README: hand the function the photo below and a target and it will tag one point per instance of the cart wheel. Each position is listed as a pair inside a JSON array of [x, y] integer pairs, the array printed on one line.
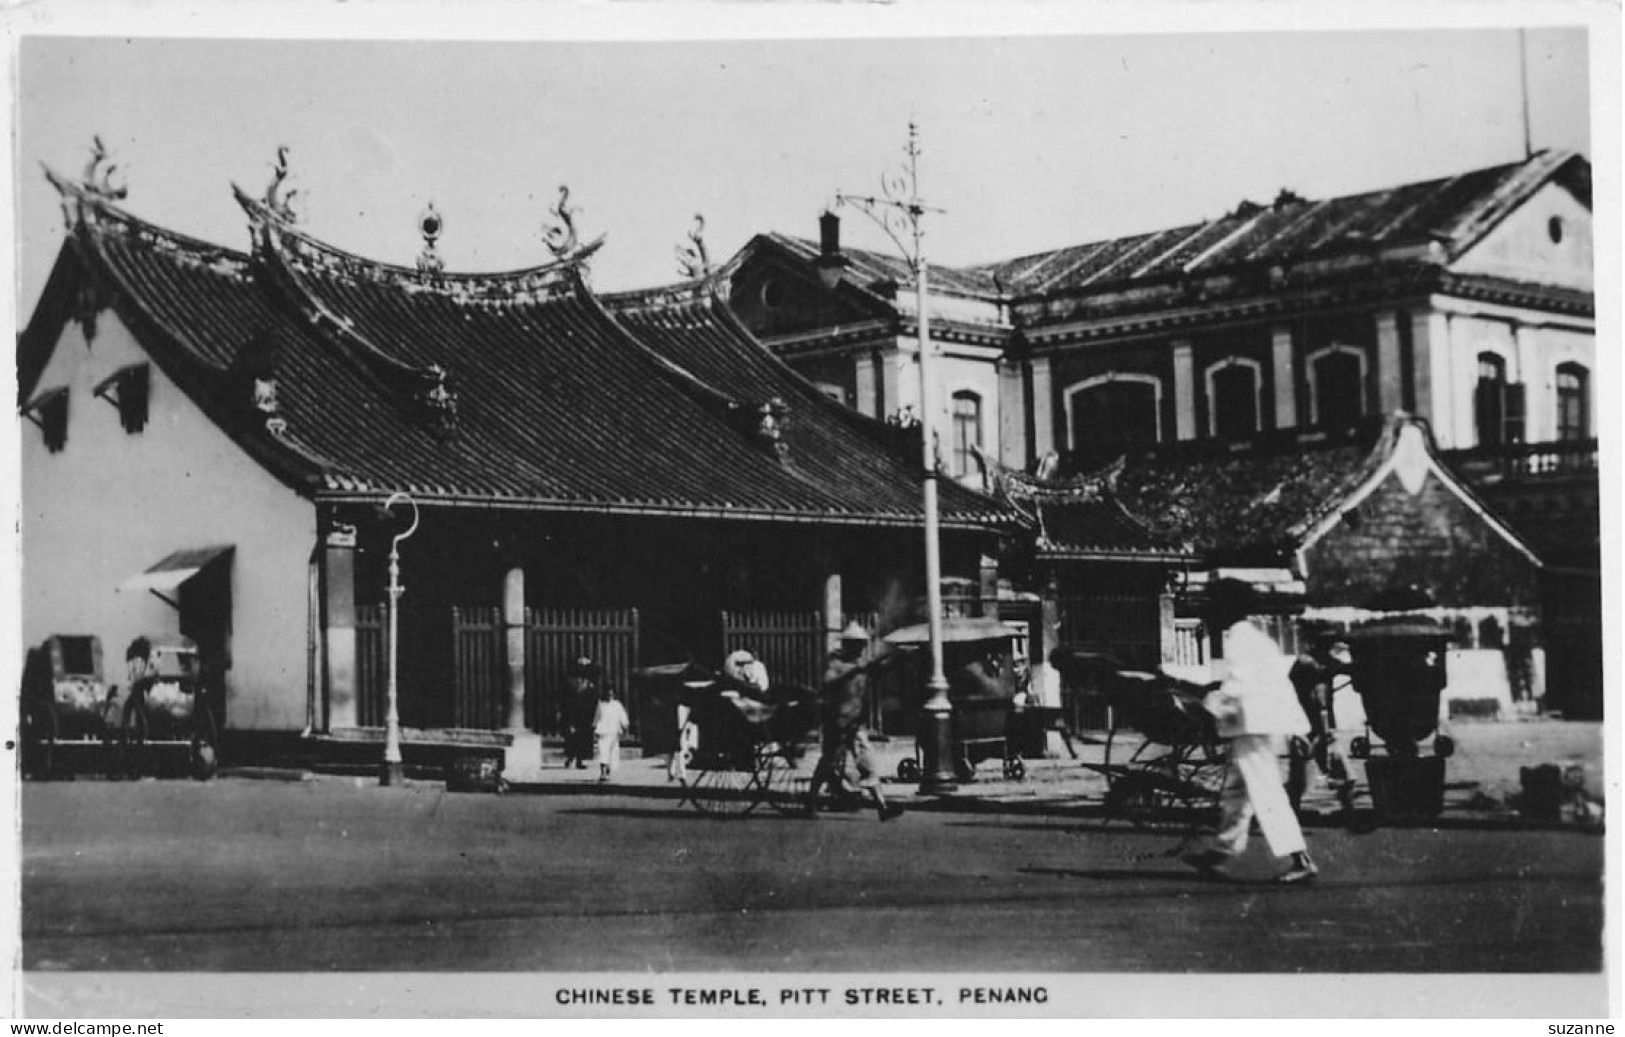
[[1015, 768], [205, 744], [1360, 747], [908, 769], [39, 736], [785, 780], [133, 739], [1444, 746], [725, 788]]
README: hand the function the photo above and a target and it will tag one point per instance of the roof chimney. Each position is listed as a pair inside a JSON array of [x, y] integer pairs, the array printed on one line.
[[830, 262]]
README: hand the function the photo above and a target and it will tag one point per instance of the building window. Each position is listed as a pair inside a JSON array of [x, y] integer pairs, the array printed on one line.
[[1554, 229], [1337, 387], [1497, 405], [127, 389], [49, 411], [967, 432], [772, 293], [1573, 417], [1113, 416], [1233, 389]]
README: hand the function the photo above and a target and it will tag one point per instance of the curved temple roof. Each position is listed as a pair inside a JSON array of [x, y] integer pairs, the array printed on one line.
[[516, 390]]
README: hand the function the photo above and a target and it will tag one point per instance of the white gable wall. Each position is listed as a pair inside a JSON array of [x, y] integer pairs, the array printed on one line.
[[1521, 246], [110, 504]]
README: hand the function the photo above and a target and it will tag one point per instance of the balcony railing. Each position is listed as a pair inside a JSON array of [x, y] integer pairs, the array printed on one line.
[[1520, 461]]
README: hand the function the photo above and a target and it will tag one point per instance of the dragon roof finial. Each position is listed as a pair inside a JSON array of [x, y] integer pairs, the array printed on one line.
[[98, 179], [693, 260], [561, 237], [278, 204]]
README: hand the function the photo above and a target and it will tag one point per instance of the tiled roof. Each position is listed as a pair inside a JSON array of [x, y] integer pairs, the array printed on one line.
[[1080, 518], [510, 390], [1254, 507], [1454, 211], [876, 267]]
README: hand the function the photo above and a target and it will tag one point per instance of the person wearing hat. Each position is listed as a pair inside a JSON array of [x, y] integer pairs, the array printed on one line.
[[1255, 708], [843, 712], [580, 704]]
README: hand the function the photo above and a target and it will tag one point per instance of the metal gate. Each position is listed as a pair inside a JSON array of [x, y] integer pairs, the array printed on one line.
[[556, 637], [479, 668], [371, 664]]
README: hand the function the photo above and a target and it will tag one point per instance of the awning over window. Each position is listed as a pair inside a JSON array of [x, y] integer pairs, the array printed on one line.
[[162, 579]]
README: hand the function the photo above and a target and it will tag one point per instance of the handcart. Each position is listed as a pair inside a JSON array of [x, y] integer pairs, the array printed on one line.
[[979, 664], [1164, 762], [168, 707], [65, 703], [1398, 669], [744, 751]]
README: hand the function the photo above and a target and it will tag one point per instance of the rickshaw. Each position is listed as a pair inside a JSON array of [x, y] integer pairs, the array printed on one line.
[[979, 663], [167, 706], [65, 702], [1398, 669], [744, 751], [1164, 761]]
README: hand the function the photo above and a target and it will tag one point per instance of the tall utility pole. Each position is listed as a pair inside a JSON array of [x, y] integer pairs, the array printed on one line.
[[899, 212], [1523, 88]]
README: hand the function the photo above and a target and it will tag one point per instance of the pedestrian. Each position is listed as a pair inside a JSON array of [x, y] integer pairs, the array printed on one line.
[[576, 710], [843, 715], [609, 723], [747, 674], [1255, 707]]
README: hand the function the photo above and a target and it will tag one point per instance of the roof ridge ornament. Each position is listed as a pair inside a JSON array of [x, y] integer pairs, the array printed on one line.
[[561, 237], [98, 178], [430, 224], [693, 260], [279, 205]]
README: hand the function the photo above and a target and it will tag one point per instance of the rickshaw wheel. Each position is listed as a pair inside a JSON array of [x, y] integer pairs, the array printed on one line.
[[205, 740], [1015, 768], [1444, 746], [721, 790], [133, 740], [908, 769], [784, 784], [1360, 747], [39, 740]]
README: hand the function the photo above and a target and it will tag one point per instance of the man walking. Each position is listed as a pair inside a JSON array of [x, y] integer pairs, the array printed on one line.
[[844, 710], [1255, 707]]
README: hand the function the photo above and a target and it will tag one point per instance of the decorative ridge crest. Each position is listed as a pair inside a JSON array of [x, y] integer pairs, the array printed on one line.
[[693, 260], [98, 176], [277, 204]]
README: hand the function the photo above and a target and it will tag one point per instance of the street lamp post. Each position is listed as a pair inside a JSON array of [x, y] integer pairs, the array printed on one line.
[[897, 210], [393, 772]]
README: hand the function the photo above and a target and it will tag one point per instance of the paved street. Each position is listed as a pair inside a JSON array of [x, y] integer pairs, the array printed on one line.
[[337, 874]]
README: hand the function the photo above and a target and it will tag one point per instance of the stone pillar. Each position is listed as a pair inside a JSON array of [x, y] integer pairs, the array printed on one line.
[[338, 609], [1430, 351], [1165, 620], [1184, 390], [1012, 416], [1285, 377], [834, 613], [1539, 389], [513, 622], [1390, 367], [1043, 404], [866, 376], [1046, 681], [987, 586]]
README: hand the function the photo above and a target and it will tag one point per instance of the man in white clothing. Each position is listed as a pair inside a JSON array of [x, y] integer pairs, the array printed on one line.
[[1256, 709]]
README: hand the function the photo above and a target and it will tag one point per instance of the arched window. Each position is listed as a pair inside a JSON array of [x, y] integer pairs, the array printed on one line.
[[1573, 407], [967, 431], [1337, 387], [1233, 388], [1112, 415], [1490, 400]]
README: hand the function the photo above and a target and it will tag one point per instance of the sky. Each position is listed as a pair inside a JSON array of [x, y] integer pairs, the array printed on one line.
[[1030, 142]]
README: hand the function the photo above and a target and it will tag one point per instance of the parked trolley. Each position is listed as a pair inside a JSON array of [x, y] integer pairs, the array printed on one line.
[[65, 704], [167, 708], [988, 712], [1398, 668]]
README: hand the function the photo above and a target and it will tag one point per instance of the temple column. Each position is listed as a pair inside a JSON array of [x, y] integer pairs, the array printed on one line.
[[1012, 452], [513, 622], [834, 614], [338, 612], [1184, 390], [1285, 377], [1390, 368]]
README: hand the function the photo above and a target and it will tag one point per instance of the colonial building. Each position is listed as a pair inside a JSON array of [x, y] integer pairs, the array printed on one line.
[[229, 445], [1273, 329]]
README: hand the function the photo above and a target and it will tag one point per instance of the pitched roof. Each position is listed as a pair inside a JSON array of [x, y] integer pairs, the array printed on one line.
[[1080, 518], [509, 390], [1455, 212]]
